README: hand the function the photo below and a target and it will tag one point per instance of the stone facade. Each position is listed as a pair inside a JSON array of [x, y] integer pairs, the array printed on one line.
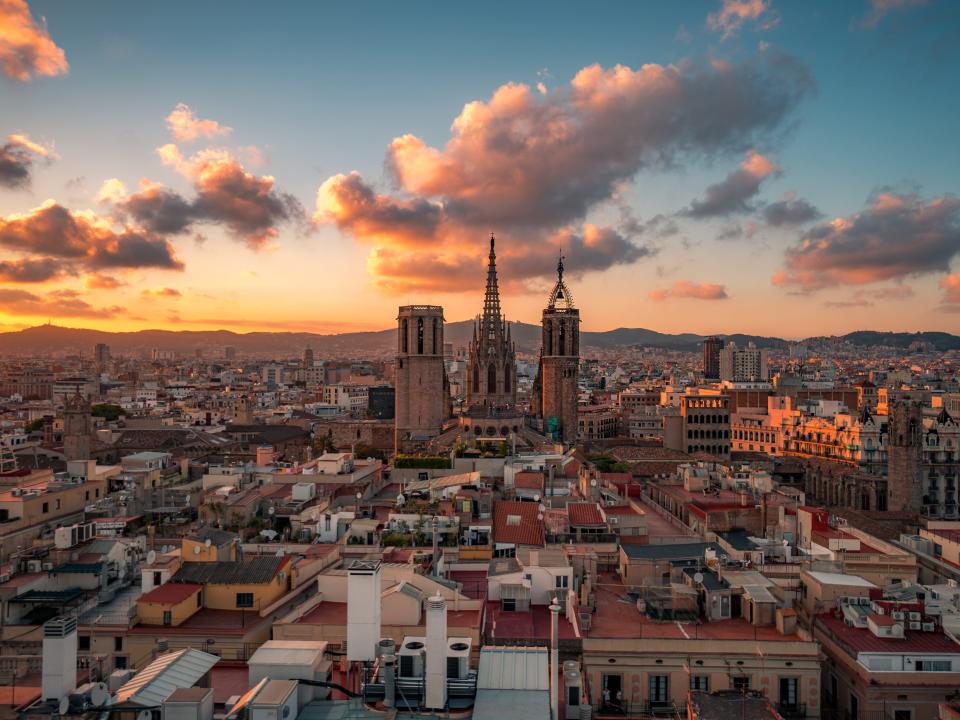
[[423, 392], [905, 455], [77, 427], [557, 383]]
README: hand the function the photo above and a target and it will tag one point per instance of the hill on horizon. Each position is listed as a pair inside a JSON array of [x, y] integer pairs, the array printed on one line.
[[44, 339]]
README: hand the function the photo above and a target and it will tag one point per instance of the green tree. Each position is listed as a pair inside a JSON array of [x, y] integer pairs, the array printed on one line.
[[107, 411]]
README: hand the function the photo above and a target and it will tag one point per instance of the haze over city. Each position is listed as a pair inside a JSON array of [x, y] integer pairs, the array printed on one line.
[[750, 167]]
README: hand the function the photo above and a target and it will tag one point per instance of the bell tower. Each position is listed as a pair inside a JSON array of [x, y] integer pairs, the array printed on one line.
[[423, 391], [77, 427], [559, 372]]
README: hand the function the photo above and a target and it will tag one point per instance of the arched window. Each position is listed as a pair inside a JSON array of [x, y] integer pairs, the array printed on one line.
[[549, 338], [476, 378], [506, 379], [436, 326], [419, 336], [404, 336], [563, 339], [492, 379]]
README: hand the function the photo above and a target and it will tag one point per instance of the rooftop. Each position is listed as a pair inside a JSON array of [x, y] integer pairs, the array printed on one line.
[[170, 593], [256, 570], [861, 640], [517, 523]]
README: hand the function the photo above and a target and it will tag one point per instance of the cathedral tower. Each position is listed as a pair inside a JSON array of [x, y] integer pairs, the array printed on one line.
[[423, 392], [557, 379], [905, 456], [491, 359]]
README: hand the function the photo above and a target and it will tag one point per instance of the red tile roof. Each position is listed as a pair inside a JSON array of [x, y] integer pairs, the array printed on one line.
[[528, 480], [584, 513], [170, 593], [863, 640], [517, 522]]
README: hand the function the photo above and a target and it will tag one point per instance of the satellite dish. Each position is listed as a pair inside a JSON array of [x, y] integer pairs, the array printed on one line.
[[207, 542], [536, 497], [280, 552], [145, 715], [401, 499], [151, 557], [698, 578], [196, 550], [271, 510], [64, 705], [187, 499], [99, 695]]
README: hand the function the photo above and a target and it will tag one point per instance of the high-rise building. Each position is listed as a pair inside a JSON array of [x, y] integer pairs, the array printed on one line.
[[229, 352], [556, 384], [423, 393], [308, 357], [749, 364], [711, 358], [491, 358], [101, 353]]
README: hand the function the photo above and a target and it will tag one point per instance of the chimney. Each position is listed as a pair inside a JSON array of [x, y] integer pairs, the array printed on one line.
[[363, 609], [436, 670], [264, 455], [59, 658], [554, 660], [389, 680]]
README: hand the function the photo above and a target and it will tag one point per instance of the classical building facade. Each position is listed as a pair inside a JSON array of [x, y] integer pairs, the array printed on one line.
[[423, 393], [556, 385], [491, 358]]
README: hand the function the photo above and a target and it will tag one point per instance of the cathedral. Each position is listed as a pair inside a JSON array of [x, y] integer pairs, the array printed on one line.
[[491, 411]]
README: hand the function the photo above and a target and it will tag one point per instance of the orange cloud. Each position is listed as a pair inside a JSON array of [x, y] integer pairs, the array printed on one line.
[[26, 49], [532, 166], [898, 236], [684, 289], [56, 303], [98, 281], [163, 292], [734, 14], [17, 157], [951, 288], [185, 126], [734, 193]]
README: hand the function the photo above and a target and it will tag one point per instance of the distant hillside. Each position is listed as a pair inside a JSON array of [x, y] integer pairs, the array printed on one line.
[[46, 339]]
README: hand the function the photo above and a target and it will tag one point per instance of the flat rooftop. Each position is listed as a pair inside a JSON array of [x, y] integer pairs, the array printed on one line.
[[862, 640]]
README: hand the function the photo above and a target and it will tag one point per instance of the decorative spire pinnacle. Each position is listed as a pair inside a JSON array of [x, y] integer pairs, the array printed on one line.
[[560, 291], [491, 300]]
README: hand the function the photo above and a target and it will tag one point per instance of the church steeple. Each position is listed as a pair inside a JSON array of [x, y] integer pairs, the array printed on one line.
[[560, 293], [491, 299]]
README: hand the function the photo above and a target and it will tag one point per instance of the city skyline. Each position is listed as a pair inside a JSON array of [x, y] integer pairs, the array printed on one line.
[[701, 169]]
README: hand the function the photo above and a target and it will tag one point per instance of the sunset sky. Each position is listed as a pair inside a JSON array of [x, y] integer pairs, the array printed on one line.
[[756, 166]]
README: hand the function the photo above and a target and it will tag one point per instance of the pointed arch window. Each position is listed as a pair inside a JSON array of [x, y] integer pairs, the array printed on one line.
[[506, 379], [436, 326], [404, 336], [419, 336], [476, 378], [492, 379], [563, 339]]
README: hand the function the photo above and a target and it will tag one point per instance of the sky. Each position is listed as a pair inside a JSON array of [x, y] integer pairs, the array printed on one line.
[[756, 166]]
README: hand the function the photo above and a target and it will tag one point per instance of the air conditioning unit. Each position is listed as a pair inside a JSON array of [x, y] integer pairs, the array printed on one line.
[[410, 657], [458, 658], [914, 625], [929, 627], [33, 566], [48, 566], [915, 616], [897, 615]]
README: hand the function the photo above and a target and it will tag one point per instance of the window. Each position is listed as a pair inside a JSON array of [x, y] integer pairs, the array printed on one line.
[[118, 643], [403, 336], [562, 582], [420, 336], [788, 692], [157, 578], [508, 604], [659, 692], [700, 682], [46, 507], [933, 666], [741, 683], [854, 707], [492, 379], [120, 662], [244, 600], [903, 715], [326, 523], [83, 642], [199, 599], [58, 503]]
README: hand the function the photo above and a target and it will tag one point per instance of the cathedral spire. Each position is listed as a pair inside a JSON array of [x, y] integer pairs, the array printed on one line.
[[561, 293], [491, 300]]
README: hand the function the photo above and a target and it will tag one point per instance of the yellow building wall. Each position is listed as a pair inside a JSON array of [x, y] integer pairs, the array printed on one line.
[[152, 613], [224, 597]]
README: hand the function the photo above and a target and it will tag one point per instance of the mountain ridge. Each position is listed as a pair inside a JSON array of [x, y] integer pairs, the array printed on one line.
[[53, 338]]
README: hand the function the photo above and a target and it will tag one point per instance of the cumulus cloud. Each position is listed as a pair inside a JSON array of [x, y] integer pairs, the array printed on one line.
[[30, 270], [791, 210], [26, 49], [687, 289], [735, 14], [17, 158], [185, 126], [248, 205], [879, 9], [734, 193], [54, 240], [951, 289], [57, 303], [897, 236], [533, 165], [99, 281]]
